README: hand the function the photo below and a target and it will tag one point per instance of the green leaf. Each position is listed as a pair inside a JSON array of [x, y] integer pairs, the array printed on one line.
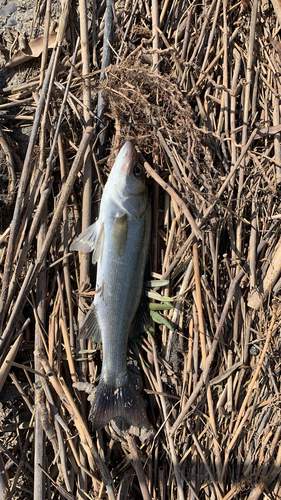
[[137, 340], [149, 330], [157, 296], [160, 307], [153, 283], [161, 320]]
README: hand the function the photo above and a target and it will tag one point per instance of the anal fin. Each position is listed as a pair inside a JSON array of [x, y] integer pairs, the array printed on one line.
[[90, 328], [140, 323]]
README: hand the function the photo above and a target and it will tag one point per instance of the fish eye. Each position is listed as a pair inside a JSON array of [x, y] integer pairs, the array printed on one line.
[[138, 170]]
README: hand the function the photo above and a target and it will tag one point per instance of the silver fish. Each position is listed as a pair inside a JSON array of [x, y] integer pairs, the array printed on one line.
[[119, 240]]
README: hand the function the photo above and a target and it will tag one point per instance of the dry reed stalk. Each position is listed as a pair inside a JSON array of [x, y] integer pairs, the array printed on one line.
[[87, 170], [258, 296], [39, 445], [86, 208], [155, 33], [106, 59], [226, 60], [21, 191], [177, 308], [10, 162], [167, 426], [204, 358], [84, 258], [34, 269], [174, 195], [138, 468], [4, 485], [25, 171], [45, 40], [5, 368]]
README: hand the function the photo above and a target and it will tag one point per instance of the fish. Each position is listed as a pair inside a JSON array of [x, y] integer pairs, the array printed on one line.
[[120, 241]]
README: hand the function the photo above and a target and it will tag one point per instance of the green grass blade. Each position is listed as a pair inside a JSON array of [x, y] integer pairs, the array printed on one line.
[[161, 320]]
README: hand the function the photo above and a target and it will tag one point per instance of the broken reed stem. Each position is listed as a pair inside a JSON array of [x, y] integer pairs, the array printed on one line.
[[211, 355], [84, 258], [41, 294], [138, 467], [87, 170], [251, 385], [186, 34], [5, 368], [211, 207], [21, 190], [45, 48], [35, 268], [167, 425], [4, 141], [106, 60], [177, 308], [155, 34], [173, 195], [202, 335], [253, 246]]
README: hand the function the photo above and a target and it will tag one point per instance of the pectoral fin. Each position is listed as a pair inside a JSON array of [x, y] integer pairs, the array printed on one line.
[[90, 240], [119, 234]]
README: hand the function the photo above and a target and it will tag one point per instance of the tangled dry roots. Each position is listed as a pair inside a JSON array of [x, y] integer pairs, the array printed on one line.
[[148, 102], [149, 109]]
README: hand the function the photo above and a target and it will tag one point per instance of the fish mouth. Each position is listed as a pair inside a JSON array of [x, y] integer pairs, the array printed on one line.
[[128, 155]]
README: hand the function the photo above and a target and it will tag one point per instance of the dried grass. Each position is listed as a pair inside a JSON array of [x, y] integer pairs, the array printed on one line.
[[201, 101]]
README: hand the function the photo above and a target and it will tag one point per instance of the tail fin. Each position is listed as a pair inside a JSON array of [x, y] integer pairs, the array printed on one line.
[[118, 400]]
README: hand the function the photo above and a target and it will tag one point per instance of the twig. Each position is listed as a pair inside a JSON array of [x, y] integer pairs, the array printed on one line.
[[34, 269], [209, 210], [138, 467], [106, 59], [167, 425], [84, 258], [45, 46], [39, 444], [174, 195], [250, 388], [21, 190]]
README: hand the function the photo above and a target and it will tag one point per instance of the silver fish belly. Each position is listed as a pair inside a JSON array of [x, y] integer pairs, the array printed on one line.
[[120, 244]]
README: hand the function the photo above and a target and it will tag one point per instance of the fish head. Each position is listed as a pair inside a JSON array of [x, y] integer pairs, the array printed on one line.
[[127, 182]]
